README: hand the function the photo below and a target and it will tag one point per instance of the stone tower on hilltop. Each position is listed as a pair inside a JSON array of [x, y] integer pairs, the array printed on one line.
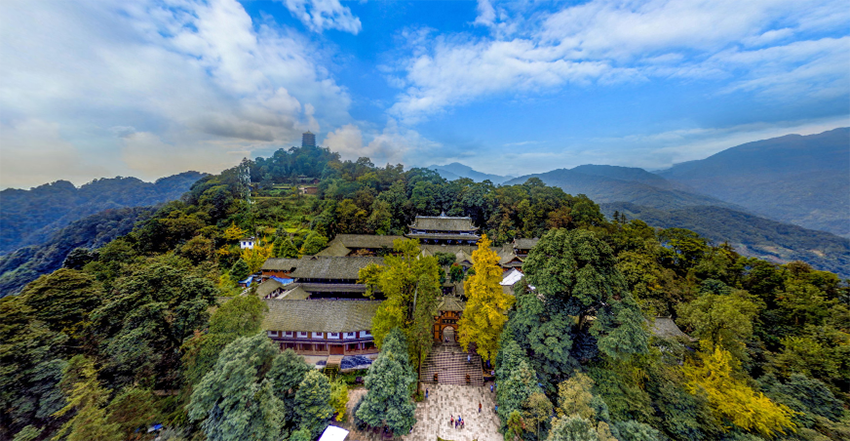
[[308, 139]]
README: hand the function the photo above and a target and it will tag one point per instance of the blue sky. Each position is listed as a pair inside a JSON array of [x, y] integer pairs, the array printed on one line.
[[151, 88]]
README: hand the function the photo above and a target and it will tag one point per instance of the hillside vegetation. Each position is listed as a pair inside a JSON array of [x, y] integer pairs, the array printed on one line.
[[152, 329], [30, 217]]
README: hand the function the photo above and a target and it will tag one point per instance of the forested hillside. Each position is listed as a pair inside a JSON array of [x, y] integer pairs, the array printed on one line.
[[152, 329], [29, 217], [803, 180], [26, 264], [751, 235]]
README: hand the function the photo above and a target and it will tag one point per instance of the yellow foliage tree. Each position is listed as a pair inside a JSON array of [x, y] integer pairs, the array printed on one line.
[[233, 232], [257, 256], [732, 398], [486, 311]]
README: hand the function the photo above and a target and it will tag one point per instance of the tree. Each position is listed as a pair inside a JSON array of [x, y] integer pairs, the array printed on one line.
[[572, 428], [575, 398], [133, 408], [720, 316], [86, 397], [283, 247], [148, 318], [255, 257], [339, 398], [240, 271], [314, 243], [716, 378], [312, 402], [238, 317], [234, 401], [486, 311], [387, 402], [411, 284], [584, 300], [233, 233]]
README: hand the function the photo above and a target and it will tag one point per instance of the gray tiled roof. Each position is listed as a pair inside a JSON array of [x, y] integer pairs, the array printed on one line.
[[443, 223], [450, 303], [443, 236], [268, 287], [366, 240], [334, 249], [320, 315], [332, 267], [665, 327], [525, 244], [276, 264]]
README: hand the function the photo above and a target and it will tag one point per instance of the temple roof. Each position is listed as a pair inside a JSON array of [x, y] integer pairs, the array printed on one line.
[[366, 240], [332, 267], [525, 244], [443, 223], [444, 236], [320, 315], [280, 264], [450, 303], [665, 327], [335, 249]]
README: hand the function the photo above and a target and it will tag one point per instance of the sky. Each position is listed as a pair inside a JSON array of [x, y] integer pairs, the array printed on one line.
[[142, 88]]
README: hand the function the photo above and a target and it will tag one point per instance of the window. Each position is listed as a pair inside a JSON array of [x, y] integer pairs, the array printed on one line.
[[365, 334], [302, 335], [321, 347], [287, 334], [333, 335], [318, 335], [272, 333], [349, 334]]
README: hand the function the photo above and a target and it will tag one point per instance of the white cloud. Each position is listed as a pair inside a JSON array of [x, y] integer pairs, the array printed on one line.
[[394, 144], [319, 15], [187, 73], [750, 45]]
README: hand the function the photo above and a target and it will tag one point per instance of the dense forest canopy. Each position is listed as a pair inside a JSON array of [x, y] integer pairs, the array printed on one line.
[[153, 320]]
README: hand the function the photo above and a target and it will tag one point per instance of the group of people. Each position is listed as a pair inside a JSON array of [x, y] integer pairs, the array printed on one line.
[[457, 423]]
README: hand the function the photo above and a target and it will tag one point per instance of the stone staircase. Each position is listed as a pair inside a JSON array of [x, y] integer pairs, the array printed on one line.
[[448, 361]]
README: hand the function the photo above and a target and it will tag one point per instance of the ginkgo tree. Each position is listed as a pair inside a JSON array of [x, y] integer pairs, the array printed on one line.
[[716, 376], [486, 311]]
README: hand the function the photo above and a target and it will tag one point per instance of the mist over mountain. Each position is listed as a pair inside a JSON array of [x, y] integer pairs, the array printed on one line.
[[29, 217], [605, 183], [804, 180], [457, 170]]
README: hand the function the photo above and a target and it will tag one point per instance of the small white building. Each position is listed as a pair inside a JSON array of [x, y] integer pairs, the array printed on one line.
[[247, 242]]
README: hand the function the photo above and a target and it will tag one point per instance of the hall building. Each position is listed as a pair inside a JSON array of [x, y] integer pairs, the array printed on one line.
[[444, 230]]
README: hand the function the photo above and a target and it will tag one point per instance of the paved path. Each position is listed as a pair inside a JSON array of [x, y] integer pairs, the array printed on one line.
[[445, 401]]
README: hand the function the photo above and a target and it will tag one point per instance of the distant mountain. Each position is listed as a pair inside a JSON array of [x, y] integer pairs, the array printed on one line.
[[29, 217], [28, 263], [605, 183], [751, 235], [457, 170], [804, 180]]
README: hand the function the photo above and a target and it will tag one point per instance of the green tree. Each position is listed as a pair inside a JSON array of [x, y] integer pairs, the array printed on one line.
[[314, 243], [387, 402], [240, 271], [234, 401], [132, 409], [238, 317], [720, 316], [486, 310], [312, 402], [411, 285], [86, 397], [572, 428], [149, 317]]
